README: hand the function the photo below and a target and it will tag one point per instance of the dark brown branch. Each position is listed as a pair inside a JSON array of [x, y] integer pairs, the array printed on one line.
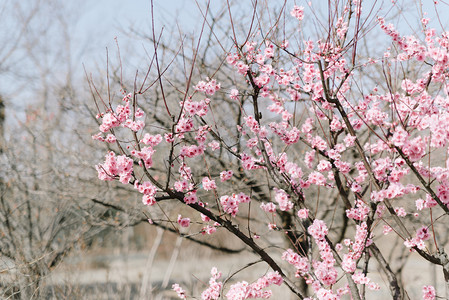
[[170, 229]]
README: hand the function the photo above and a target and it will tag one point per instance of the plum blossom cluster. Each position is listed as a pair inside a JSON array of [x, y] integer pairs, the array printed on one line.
[[238, 291], [230, 204], [122, 116], [428, 292], [324, 270], [376, 149], [148, 190], [422, 235], [115, 167], [192, 108], [209, 87], [355, 248], [243, 290], [226, 175], [301, 263], [183, 222], [282, 198], [214, 289], [179, 291], [361, 278], [298, 12], [319, 273]]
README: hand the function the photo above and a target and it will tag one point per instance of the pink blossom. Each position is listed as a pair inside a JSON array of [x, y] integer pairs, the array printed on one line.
[[98, 137], [152, 140], [248, 162], [336, 125], [209, 229], [238, 291], [420, 204], [110, 138], [294, 170], [191, 151], [415, 242], [428, 292], [274, 278], [355, 187], [282, 198], [349, 140], [232, 58], [209, 87], [230, 205], [208, 184], [242, 68], [297, 12], [242, 197], [192, 108], [319, 143], [268, 52], [252, 123], [146, 155], [181, 293], [387, 229], [423, 233], [307, 126], [343, 166], [400, 211], [430, 202], [272, 226], [185, 124], [109, 121], [190, 198], [443, 193], [359, 212], [268, 207], [348, 264], [139, 113], [234, 94], [134, 125], [318, 230], [214, 145], [399, 137], [115, 166], [185, 171], [182, 185], [334, 154], [415, 149], [286, 115], [147, 188], [201, 134], [317, 178], [323, 294], [303, 213], [378, 196], [244, 290], [148, 200], [396, 175], [226, 175], [324, 165], [262, 80], [169, 137], [360, 278], [184, 222], [214, 289]]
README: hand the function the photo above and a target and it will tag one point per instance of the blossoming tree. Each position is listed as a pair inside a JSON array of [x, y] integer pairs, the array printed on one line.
[[311, 120]]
